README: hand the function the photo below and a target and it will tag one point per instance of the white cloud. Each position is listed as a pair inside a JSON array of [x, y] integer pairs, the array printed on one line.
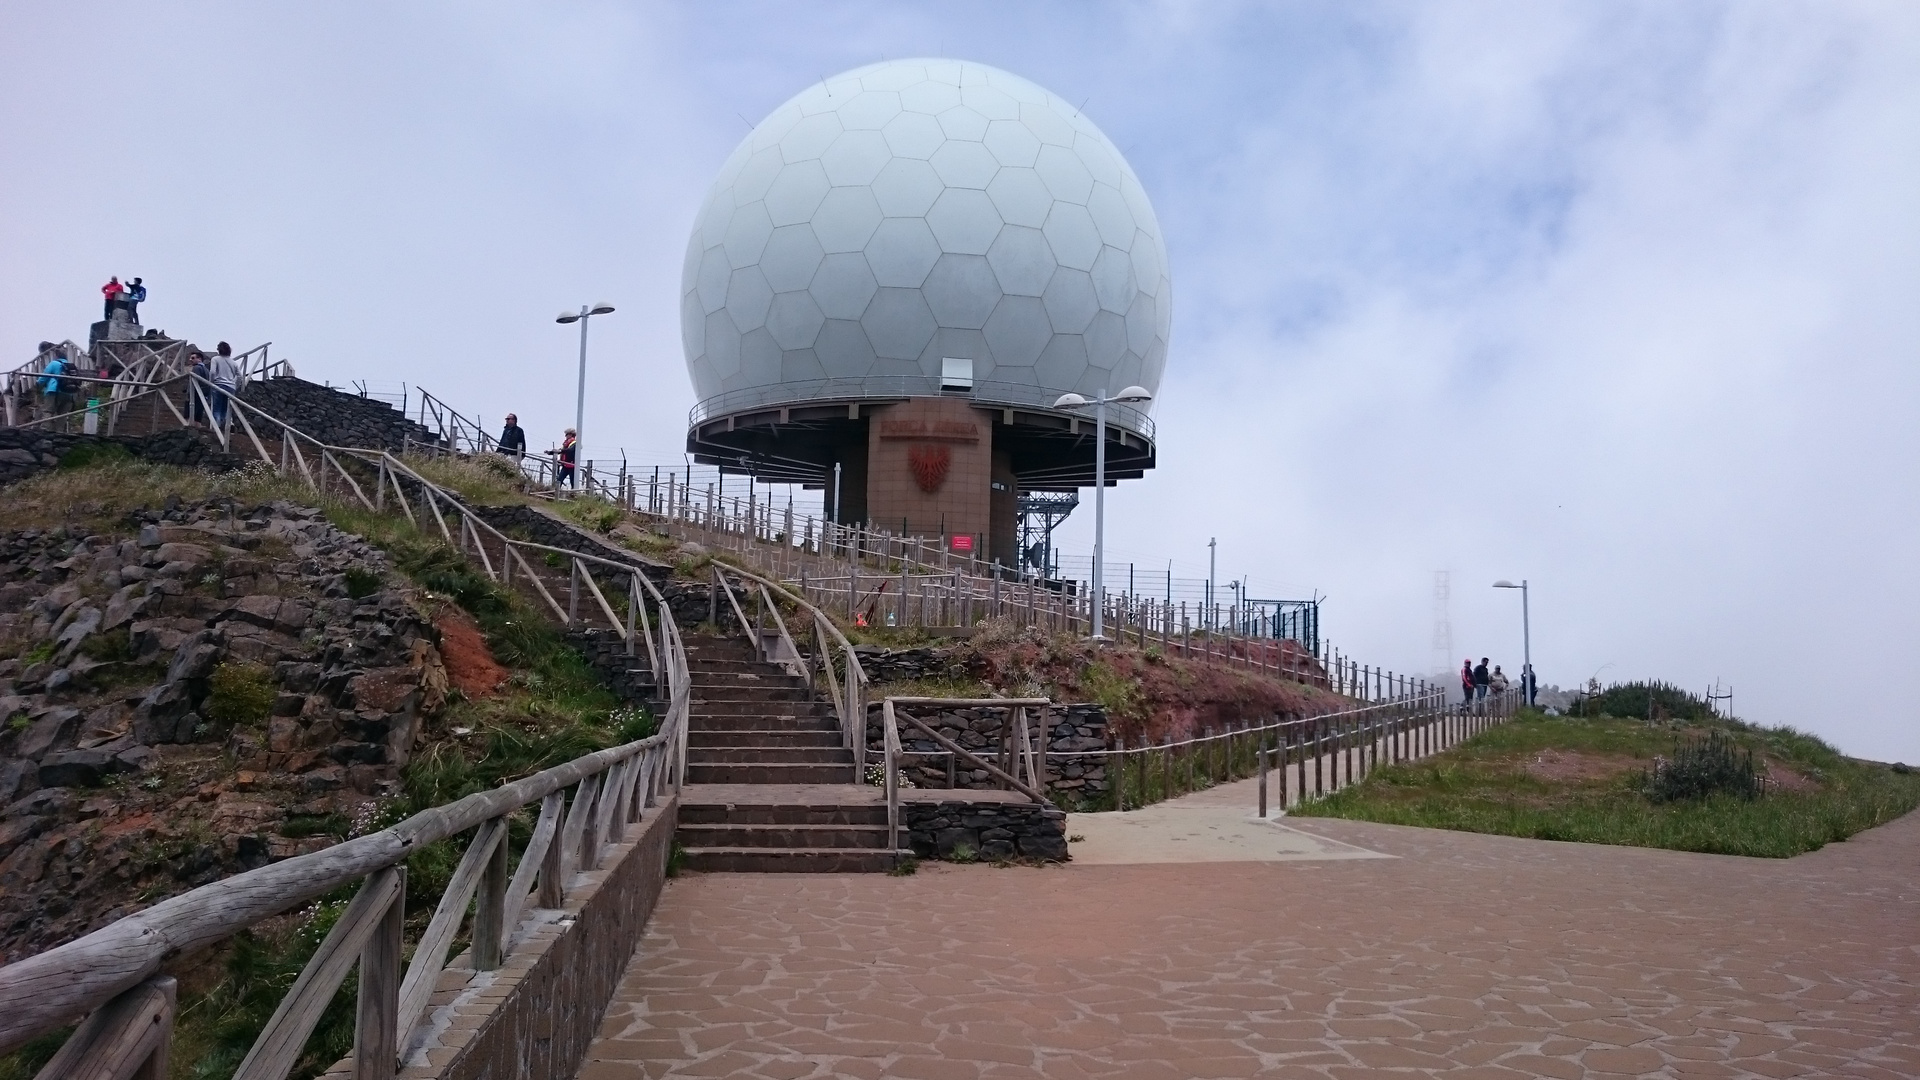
[[1618, 298]]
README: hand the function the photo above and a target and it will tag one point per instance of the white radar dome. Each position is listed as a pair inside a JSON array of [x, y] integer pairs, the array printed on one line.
[[889, 221]]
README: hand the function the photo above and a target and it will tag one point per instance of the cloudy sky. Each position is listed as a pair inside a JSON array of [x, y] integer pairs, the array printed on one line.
[[1620, 298]]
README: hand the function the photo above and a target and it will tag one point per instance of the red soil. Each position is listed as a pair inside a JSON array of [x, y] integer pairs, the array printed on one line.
[[470, 664]]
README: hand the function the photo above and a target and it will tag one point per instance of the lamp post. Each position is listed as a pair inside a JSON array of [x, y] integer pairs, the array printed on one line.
[[586, 312], [1526, 636], [1075, 401]]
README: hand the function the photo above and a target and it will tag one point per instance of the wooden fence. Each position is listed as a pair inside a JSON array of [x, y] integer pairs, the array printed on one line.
[[111, 977]]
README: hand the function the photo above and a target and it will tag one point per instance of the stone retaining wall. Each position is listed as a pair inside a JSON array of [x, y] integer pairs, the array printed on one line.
[[26, 451], [961, 831], [1071, 730], [627, 676], [336, 417]]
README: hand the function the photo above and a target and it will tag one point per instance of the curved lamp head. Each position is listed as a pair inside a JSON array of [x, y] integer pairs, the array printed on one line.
[[601, 308], [1069, 401], [1503, 583], [567, 317], [1133, 393]]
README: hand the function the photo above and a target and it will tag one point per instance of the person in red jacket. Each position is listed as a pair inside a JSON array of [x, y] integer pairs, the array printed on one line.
[[112, 292], [568, 448]]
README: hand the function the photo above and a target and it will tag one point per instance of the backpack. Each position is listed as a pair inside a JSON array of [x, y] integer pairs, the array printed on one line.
[[54, 384]]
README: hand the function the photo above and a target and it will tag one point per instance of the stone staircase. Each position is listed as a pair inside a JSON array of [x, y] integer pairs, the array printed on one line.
[[769, 784]]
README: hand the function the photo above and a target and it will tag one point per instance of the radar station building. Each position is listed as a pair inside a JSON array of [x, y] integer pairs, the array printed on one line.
[[892, 281]]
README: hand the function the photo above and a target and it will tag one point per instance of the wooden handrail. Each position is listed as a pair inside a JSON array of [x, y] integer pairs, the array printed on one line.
[[86, 975]]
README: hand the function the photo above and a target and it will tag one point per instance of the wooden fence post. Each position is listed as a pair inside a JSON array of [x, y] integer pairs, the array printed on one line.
[[376, 1035]]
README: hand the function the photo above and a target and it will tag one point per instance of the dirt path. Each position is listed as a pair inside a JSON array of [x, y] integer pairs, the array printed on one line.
[[1462, 956]]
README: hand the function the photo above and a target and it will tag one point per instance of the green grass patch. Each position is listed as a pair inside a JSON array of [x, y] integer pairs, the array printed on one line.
[[1593, 781], [240, 693]]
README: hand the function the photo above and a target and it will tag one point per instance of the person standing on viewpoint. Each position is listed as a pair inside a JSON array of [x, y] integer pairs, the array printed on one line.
[[1497, 682], [111, 293], [569, 446], [1466, 681], [513, 440], [1480, 678], [226, 380], [135, 296]]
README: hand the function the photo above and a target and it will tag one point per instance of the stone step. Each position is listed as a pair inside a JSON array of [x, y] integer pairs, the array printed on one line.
[[770, 754], [748, 693], [712, 708], [698, 738], [827, 811], [761, 719], [792, 860], [719, 664], [818, 837], [768, 773]]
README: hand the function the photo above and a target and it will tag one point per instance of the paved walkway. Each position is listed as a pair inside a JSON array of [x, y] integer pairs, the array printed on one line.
[[1459, 956]]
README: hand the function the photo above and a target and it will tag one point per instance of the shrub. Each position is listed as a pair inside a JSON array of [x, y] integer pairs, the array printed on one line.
[[1647, 701], [1703, 767], [241, 694], [361, 582]]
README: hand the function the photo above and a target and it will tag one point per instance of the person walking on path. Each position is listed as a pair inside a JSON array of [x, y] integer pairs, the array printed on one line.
[[135, 296], [1466, 681], [569, 446], [197, 367], [226, 380], [513, 440], [111, 292], [1480, 678], [57, 386]]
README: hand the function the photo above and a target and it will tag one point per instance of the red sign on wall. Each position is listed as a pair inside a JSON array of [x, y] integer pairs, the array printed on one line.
[[963, 543]]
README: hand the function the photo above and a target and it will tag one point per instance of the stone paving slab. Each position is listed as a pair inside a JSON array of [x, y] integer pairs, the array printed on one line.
[[1464, 956]]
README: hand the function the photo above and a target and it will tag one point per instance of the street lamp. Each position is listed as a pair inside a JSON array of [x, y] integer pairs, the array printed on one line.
[[1075, 401], [580, 397], [1526, 636]]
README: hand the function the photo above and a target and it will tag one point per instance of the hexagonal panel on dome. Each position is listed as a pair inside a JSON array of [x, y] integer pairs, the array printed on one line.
[[1021, 260], [907, 211], [963, 220], [843, 286], [792, 258], [902, 251], [961, 291]]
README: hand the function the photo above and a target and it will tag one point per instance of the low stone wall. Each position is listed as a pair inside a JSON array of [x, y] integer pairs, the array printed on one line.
[[1072, 730], [26, 451], [535, 1018], [903, 665], [958, 830]]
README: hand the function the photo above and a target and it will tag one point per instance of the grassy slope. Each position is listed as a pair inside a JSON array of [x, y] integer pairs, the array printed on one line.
[[553, 709], [1485, 785]]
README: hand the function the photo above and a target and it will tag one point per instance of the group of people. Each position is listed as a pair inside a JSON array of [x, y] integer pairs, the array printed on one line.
[[1476, 682], [513, 443], [127, 298]]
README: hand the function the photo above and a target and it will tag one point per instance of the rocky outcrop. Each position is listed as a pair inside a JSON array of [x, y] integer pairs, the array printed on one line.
[[337, 417], [199, 691]]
